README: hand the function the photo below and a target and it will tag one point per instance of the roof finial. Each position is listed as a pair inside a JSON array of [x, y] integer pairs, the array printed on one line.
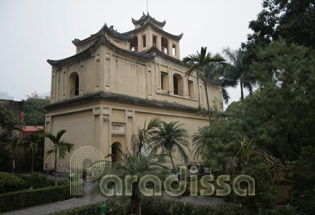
[[147, 6]]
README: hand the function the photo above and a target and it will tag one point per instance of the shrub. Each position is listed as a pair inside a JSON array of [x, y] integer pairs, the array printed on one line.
[[26, 198], [303, 189], [10, 183], [158, 206], [265, 194], [36, 180]]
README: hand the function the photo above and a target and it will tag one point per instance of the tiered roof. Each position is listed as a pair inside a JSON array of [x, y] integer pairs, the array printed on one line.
[[147, 18]]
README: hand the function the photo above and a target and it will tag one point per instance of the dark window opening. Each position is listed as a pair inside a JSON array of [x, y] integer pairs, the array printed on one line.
[[76, 88], [178, 84], [74, 82], [134, 44], [144, 41], [164, 43], [154, 40]]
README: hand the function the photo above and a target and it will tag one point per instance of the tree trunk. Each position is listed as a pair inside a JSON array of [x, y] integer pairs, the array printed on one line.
[[198, 87], [169, 152], [55, 177], [13, 165], [242, 91], [205, 82], [32, 167]]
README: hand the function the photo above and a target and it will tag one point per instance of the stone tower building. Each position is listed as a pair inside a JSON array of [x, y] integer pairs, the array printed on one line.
[[117, 81]]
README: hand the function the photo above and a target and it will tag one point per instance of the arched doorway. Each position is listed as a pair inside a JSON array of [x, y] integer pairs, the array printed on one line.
[[116, 152], [74, 82]]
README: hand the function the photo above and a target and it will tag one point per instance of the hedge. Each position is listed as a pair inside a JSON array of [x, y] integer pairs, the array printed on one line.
[[158, 206], [10, 183], [26, 198]]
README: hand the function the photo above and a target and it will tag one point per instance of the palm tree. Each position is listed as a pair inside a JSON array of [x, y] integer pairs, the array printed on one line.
[[238, 71], [215, 70], [142, 138], [198, 63], [13, 145], [200, 140], [170, 138], [246, 149], [59, 146], [33, 143], [134, 164]]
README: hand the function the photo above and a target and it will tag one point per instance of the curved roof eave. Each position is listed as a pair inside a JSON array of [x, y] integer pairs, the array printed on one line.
[[145, 17], [110, 30], [102, 40], [176, 37]]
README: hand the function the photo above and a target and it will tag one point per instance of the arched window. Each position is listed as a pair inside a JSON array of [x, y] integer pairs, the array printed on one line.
[[178, 84], [116, 148], [164, 43], [74, 84]]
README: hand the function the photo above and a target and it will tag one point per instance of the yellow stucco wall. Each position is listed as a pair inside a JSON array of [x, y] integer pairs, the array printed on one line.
[[102, 122]]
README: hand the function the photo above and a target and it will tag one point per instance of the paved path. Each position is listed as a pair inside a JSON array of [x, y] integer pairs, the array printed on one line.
[[85, 200]]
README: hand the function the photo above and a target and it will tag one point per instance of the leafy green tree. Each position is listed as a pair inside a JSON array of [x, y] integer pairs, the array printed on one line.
[[303, 189], [265, 194], [284, 104], [198, 63], [8, 143], [217, 143], [291, 20], [169, 137], [60, 147], [34, 113], [33, 143], [8, 123]]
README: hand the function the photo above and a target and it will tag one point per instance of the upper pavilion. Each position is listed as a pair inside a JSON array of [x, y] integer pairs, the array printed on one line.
[[148, 33]]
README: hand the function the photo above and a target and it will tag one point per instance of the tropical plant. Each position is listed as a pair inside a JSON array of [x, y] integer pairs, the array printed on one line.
[[13, 146], [198, 63], [8, 123], [303, 189], [200, 140], [245, 150], [169, 137], [265, 194], [33, 144], [238, 71], [142, 138], [136, 164], [60, 147]]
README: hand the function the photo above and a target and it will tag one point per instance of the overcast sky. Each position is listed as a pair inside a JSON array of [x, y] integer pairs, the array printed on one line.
[[33, 31]]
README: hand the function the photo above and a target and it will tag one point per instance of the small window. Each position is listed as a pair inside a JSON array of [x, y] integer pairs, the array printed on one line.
[[178, 84], [174, 50], [154, 40], [144, 41], [164, 81], [164, 42], [74, 84], [191, 89]]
